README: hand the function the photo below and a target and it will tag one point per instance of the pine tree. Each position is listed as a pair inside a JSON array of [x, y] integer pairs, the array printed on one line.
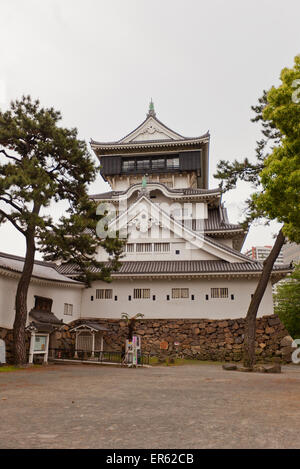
[[42, 162]]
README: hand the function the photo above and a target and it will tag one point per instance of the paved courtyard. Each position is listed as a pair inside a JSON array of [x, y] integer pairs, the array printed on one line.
[[192, 406]]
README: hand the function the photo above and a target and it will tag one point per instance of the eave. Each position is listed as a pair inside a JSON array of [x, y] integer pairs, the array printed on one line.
[[116, 148], [275, 276], [41, 281]]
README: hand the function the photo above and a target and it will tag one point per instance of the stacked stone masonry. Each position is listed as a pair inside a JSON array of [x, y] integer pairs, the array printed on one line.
[[201, 339], [204, 339]]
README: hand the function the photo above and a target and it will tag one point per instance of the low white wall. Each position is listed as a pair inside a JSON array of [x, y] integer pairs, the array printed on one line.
[[219, 308], [59, 295]]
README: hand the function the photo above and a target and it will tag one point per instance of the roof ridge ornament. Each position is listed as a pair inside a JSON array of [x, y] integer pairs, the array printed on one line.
[[151, 111]]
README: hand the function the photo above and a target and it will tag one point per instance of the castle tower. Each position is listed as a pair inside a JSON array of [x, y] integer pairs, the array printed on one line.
[[154, 149], [182, 256]]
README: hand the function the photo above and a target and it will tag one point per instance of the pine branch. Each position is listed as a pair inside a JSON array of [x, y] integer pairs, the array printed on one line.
[[10, 218]]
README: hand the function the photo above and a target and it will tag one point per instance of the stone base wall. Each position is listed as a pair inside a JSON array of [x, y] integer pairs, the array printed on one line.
[[60, 339], [7, 336], [202, 339]]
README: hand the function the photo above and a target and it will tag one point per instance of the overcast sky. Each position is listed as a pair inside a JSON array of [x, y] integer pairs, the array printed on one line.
[[99, 62]]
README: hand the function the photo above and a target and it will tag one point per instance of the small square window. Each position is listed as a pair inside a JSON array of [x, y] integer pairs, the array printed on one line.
[[193, 297], [153, 297], [206, 297], [177, 251], [168, 297], [116, 298], [68, 309], [129, 297], [232, 297]]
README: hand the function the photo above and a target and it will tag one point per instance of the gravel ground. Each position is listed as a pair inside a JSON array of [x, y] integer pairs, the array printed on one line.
[[192, 406]]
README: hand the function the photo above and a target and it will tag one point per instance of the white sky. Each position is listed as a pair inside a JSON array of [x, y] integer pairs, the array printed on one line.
[[204, 63]]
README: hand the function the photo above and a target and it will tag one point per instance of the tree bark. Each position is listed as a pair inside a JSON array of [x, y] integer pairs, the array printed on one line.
[[131, 327], [19, 335], [250, 326]]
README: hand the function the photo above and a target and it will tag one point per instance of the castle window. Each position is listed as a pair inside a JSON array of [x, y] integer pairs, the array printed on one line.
[[104, 294], [161, 247], [141, 293], [180, 293], [158, 163], [219, 292], [128, 165], [68, 309], [43, 304], [172, 163], [144, 247], [143, 164]]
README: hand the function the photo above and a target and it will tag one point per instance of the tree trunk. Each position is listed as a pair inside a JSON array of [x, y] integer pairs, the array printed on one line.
[[250, 326], [19, 334], [131, 327]]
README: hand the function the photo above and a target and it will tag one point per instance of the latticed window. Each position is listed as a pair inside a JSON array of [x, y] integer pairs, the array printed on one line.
[[180, 293], [104, 294], [173, 163], [161, 247], [141, 293], [219, 292], [68, 309], [128, 165], [143, 164], [158, 163], [130, 247], [144, 247], [184, 292]]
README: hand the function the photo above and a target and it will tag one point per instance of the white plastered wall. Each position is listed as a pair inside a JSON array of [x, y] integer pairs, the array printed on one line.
[[59, 295], [219, 308]]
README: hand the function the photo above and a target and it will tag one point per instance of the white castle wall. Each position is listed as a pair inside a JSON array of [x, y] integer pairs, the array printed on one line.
[[219, 308], [59, 295]]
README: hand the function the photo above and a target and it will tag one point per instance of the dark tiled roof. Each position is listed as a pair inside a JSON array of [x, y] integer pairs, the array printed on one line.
[[225, 248], [44, 321], [42, 270], [44, 316], [217, 221], [178, 267], [90, 324], [151, 142]]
